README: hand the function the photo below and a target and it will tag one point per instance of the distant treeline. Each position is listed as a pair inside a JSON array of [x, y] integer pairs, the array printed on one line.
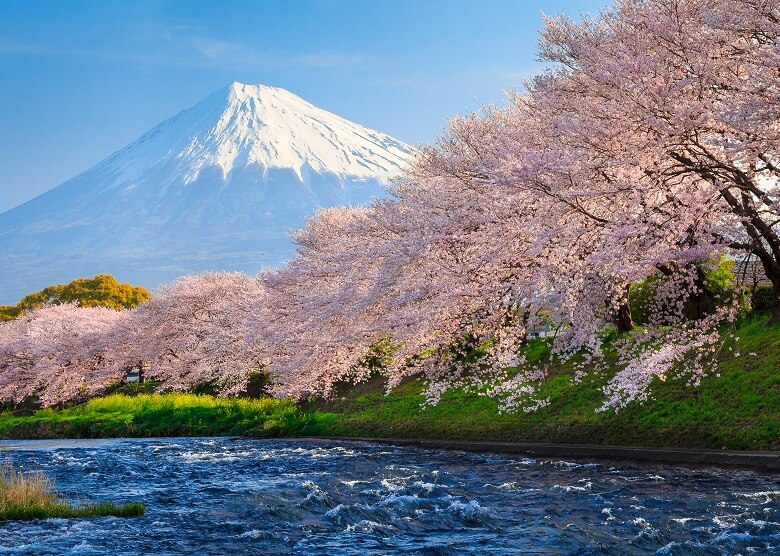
[[101, 291]]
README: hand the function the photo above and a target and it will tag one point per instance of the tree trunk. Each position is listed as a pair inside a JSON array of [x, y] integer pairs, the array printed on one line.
[[702, 303], [775, 318], [622, 317], [526, 317], [772, 272]]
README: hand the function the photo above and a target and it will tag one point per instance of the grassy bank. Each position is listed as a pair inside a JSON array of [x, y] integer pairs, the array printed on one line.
[[32, 496], [173, 414], [740, 409]]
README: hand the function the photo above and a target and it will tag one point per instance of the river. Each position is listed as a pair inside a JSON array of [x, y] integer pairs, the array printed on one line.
[[240, 496]]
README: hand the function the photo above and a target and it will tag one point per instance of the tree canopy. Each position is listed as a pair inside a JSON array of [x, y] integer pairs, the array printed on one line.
[[102, 290]]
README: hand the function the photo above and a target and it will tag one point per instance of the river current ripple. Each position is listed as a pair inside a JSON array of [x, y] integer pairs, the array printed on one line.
[[241, 496]]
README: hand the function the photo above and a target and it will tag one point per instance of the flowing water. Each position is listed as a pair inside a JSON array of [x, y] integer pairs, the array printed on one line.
[[240, 496]]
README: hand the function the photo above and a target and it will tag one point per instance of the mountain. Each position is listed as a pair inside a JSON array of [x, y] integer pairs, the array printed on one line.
[[217, 187]]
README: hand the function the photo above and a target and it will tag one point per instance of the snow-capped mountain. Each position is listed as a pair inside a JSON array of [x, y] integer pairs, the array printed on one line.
[[217, 187]]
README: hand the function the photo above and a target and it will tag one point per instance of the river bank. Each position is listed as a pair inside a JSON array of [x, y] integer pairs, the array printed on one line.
[[172, 415], [737, 408]]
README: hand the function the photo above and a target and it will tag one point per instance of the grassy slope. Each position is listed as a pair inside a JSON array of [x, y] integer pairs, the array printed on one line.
[[738, 410], [146, 415]]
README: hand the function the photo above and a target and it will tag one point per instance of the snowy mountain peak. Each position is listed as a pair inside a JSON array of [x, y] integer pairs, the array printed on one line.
[[243, 91], [219, 186], [261, 127]]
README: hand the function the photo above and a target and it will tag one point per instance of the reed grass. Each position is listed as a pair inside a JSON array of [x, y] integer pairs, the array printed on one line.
[[32, 496]]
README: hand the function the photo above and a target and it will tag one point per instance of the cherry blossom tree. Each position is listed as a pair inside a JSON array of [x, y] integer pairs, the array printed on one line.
[[672, 106], [192, 333], [413, 270], [623, 160], [56, 354]]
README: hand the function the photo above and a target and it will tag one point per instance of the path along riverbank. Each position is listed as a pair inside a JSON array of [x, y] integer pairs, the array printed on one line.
[[757, 460]]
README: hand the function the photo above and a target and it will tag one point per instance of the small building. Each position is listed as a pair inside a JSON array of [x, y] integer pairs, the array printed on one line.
[[541, 330], [136, 374]]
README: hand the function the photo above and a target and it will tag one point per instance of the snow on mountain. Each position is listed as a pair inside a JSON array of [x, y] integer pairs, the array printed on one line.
[[217, 187]]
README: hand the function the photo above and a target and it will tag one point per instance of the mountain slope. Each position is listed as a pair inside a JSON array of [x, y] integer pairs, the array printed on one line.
[[217, 187]]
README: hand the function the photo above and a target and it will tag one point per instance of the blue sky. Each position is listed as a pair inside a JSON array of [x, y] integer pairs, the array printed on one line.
[[81, 79]]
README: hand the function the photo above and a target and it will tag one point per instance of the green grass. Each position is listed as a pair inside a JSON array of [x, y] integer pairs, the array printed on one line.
[[172, 414], [740, 409], [32, 496], [62, 510]]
